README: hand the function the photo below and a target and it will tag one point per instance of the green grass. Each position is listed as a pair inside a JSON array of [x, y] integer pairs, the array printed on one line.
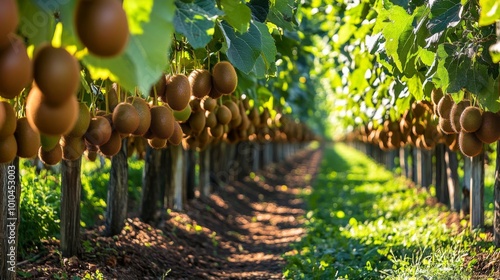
[[364, 223]]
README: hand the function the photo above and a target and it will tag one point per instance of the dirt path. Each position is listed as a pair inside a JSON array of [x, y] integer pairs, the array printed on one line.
[[238, 233]]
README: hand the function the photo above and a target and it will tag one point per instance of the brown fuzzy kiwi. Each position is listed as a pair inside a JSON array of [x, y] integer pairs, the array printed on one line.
[[246, 103], [144, 112], [157, 143], [159, 87], [177, 91], [234, 123], [125, 118], [197, 121], [182, 116], [176, 137], [102, 26], [99, 131], [9, 19], [113, 146], [254, 116], [214, 93], [195, 105], [204, 138], [456, 112], [162, 122], [436, 95], [201, 82], [83, 121], [469, 144], [112, 96], [264, 117], [418, 128], [48, 142], [471, 119], [208, 104], [10, 121], [51, 120], [217, 131], [444, 106], [418, 109], [186, 129], [28, 140], [15, 68], [2, 116], [211, 119], [445, 125], [224, 77], [56, 73], [489, 131], [233, 107], [90, 155], [223, 115], [52, 156], [73, 147], [8, 149]]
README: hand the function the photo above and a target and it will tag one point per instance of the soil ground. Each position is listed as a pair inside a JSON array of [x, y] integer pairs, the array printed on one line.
[[239, 232]]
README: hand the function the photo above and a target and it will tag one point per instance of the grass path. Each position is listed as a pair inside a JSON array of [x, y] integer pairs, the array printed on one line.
[[364, 223]]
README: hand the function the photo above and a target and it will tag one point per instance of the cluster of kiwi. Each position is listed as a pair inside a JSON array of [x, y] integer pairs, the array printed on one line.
[[101, 25], [472, 126]]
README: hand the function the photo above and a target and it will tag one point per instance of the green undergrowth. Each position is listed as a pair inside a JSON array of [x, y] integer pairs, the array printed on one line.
[[364, 223]]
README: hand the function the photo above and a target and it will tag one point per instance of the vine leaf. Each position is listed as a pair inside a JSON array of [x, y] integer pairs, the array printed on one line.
[[490, 12], [444, 14], [269, 50], [260, 9], [237, 14], [196, 23], [243, 50], [281, 14], [145, 57], [30, 28]]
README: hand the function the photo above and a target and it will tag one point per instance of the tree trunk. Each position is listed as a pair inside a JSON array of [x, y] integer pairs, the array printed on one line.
[[205, 188], [71, 189], [116, 212], [477, 192], [166, 188], [452, 178], [9, 218], [178, 176], [150, 184]]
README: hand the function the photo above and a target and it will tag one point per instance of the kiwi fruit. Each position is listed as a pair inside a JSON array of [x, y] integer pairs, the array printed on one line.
[[436, 95], [201, 82], [56, 73], [10, 122], [223, 115], [234, 123], [456, 112], [246, 103], [144, 112], [157, 143], [90, 155], [82, 122], [102, 26], [197, 121], [48, 142], [177, 91], [113, 146], [162, 122], [72, 147], [52, 156], [224, 77], [176, 137], [444, 106], [254, 116], [469, 144], [2, 116], [112, 96], [418, 128], [471, 119], [125, 118], [99, 131], [195, 105], [418, 109], [211, 119], [51, 120], [9, 19], [182, 116], [27, 139], [8, 149], [15, 68], [214, 93], [208, 104], [217, 131], [233, 107], [186, 129], [445, 125], [159, 87], [489, 131]]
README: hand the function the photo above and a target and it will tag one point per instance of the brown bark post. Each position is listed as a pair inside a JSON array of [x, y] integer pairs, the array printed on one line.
[[496, 217], [477, 192], [116, 211], [177, 178], [10, 194], [454, 189], [442, 192], [150, 184], [205, 186], [190, 169], [71, 189]]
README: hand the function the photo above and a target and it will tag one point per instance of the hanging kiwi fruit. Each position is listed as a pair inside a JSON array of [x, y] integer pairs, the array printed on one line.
[[177, 91], [224, 77], [15, 68], [201, 82], [9, 19]]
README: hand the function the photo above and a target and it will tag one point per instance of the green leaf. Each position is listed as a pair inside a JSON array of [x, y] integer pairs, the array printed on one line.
[[490, 12], [281, 14], [238, 15], [489, 98], [195, 23], [260, 9], [37, 22], [495, 52], [415, 87], [269, 51], [444, 14], [243, 50], [146, 56]]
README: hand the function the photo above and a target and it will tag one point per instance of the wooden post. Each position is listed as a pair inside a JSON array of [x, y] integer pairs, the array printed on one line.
[[477, 192], [466, 188], [496, 217], [255, 156], [178, 176], [150, 184], [454, 189], [190, 173], [71, 189], [205, 187], [9, 218], [116, 211]]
